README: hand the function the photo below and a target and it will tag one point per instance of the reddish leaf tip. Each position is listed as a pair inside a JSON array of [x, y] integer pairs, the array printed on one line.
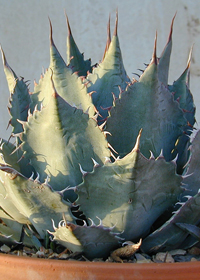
[[154, 57], [108, 38], [137, 144], [171, 29], [68, 25], [190, 57]]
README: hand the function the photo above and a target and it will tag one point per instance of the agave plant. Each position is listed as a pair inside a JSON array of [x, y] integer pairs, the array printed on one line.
[[99, 159]]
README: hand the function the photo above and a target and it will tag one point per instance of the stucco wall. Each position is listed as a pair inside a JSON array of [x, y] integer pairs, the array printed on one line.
[[24, 36]]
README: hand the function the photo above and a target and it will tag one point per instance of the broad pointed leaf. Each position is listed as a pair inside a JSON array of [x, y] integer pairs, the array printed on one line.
[[35, 201], [60, 138], [135, 192], [94, 241], [68, 85], [8, 205], [13, 233], [170, 235], [10, 230], [149, 105]]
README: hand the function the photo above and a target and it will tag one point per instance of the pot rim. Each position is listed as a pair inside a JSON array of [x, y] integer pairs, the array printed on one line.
[[21, 267]]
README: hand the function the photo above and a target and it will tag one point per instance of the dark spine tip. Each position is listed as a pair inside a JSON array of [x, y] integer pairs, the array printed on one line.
[[116, 23], [51, 33], [190, 57], [108, 38], [68, 25], [154, 57], [171, 29]]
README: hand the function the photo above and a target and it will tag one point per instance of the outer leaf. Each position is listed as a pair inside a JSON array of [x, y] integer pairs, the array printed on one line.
[[10, 230], [75, 59], [191, 229], [7, 157], [192, 181], [135, 192], [183, 95], [170, 235], [19, 99], [93, 241], [59, 138], [108, 78], [14, 157], [7, 204], [64, 235], [35, 201]]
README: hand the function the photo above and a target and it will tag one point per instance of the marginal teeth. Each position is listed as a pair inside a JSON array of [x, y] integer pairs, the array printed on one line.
[[92, 223], [175, 159], [2, 157], [96, 164], [107, 132], [180, 203], [112, 148], [102, 126], [53, 224], [82, 171], [151, 155], [161, 154], [87, 111], [100, 221], [61, 223], [84, 223], [32, 175], [187, 175], [29, 113], [188, 196], [68, 188], [47, 181], [107, 159], [35, 109], [175, 212]]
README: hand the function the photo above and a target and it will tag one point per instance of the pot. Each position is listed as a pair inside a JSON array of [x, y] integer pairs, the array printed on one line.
[[27, 268]]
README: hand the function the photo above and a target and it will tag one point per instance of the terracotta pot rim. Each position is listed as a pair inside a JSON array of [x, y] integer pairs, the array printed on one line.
[[17, 267], [25, 258]]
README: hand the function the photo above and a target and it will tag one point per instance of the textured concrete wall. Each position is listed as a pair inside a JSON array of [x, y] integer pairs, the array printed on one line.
[[24, 35]]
